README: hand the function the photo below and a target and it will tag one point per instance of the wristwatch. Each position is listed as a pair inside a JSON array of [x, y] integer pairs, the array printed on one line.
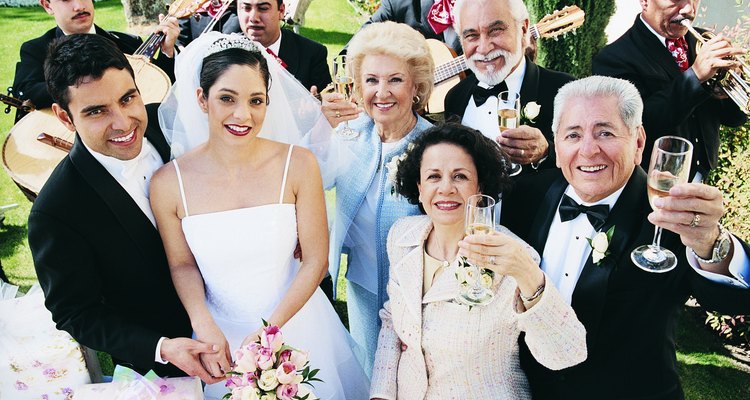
[[720, 250]]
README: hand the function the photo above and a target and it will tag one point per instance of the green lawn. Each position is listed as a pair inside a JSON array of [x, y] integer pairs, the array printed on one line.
[[707, 370]]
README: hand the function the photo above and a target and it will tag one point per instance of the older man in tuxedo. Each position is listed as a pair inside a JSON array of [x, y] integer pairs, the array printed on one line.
[[675, 80], [261, 20], [77, 16], [629, 313], [97, 253], [494, 35]]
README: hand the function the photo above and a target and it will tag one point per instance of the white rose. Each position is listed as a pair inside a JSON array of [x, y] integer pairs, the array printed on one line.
[[248, 393], [486, 281], [303, 390], [600, 243], [268, 380], [268, 396], [596, 256], [531, 110]]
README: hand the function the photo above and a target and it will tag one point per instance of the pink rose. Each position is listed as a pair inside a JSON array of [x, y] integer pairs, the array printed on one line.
[[286, 392], [233, 381], [285, 355], [271, 337], [265, 358], [287, 373], [299, 359], [246, 358]]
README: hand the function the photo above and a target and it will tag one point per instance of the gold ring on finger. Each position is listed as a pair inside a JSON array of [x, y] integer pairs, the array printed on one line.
[[338, 114], [696, 220]]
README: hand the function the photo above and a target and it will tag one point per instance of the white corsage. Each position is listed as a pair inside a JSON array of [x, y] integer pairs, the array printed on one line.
[[529, 112], [391, 168], [600, 245]]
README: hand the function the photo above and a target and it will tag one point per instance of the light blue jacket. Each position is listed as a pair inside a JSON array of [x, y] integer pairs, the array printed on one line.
[[352, 183]]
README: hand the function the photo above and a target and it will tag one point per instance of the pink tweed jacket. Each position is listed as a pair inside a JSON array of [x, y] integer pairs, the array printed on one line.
[[453, 352]]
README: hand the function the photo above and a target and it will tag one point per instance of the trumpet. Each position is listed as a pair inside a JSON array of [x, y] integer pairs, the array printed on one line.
[[734, 82]]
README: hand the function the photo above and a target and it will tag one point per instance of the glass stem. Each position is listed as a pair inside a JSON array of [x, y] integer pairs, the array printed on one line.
[[657, 238]]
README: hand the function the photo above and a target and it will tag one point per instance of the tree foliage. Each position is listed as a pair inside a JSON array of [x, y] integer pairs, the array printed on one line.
[[143, 11], [572, 53]]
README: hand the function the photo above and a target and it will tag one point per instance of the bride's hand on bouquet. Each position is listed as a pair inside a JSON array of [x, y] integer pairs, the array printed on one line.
[[253, 337], [338, 109], [503, 255], [219, 362]]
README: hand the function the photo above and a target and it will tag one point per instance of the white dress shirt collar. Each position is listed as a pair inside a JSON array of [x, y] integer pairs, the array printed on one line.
[[276, 46], [662, 39], [133, 175]]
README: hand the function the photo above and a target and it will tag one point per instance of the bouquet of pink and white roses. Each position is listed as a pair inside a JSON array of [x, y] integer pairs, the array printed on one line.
[[268, 369]]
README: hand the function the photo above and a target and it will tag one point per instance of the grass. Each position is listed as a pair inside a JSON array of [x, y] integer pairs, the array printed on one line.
[[707, 370]]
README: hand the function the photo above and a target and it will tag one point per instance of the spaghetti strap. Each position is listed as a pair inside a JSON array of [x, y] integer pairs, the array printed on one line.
[[182, 189], [286, 170]]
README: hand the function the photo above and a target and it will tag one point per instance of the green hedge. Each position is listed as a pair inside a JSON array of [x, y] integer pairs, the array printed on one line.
[[572, 53]]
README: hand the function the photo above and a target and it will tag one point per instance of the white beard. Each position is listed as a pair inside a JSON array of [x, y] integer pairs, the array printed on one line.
[[492, 77]]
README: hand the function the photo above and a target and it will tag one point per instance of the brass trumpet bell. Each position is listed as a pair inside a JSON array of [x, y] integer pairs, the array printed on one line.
[[734, 82]]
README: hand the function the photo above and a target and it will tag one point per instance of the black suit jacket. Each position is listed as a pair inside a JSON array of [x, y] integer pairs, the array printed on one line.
[[191, 28], [101, 262], [29, 83], [675, 103], [629, 314], [539, 85], [412, 13], [305, 59]]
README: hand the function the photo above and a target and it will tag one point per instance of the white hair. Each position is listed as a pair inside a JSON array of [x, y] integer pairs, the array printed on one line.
[[517, 9], [628, 98]]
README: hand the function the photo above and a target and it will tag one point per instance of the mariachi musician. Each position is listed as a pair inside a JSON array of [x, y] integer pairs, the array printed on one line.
[[77, 16]]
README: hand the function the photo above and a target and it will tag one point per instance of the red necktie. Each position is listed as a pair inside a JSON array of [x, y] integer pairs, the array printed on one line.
[[678, 49], [283, 64]]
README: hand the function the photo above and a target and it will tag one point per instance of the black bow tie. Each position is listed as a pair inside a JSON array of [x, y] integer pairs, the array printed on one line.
[[481, 94], [597, 214]]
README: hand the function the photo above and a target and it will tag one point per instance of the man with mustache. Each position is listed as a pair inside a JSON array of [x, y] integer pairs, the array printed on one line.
[[494, 34], [77, 16], [674, 79], [260, 20]]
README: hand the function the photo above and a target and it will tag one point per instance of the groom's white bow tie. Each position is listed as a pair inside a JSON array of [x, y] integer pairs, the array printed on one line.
[[138, 169]]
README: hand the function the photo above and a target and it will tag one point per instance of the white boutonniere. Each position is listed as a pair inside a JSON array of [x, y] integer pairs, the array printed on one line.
[[529, 112], [600, 245], [391, 167]]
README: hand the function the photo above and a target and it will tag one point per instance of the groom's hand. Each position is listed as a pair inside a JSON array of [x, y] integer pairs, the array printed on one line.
[[185, 354]]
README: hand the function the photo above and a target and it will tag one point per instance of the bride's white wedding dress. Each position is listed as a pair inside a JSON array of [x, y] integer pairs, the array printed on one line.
[[247, 262]]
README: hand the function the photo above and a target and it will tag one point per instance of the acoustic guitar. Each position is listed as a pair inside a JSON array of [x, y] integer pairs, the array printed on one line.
[[39, 141], [449, 67]]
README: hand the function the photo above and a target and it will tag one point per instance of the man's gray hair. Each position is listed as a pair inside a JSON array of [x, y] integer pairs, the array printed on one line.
[[517, 9], [628, 99]]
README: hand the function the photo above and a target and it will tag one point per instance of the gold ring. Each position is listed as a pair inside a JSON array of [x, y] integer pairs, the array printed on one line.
[[338, 114], [696, 220], [522, 152]]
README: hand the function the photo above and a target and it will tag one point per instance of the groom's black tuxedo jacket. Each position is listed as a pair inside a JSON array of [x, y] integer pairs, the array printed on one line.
[[673, 104], [305, 59], [629, 314], [539, 85], [101, 262]]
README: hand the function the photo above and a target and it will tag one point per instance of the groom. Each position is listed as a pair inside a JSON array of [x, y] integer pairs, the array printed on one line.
[[629, 314], [97, 253]]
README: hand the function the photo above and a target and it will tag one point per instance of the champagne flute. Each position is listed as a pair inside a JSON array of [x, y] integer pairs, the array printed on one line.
[[343, 84], [669, 166], [509, 117], [480, 220]]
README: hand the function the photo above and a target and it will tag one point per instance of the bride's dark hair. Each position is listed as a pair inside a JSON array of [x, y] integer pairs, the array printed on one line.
[[216, 64]]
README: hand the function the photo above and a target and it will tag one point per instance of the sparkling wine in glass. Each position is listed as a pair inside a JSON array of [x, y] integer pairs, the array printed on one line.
[[344, 84], [480, 220], [669, 166], [509, 117]]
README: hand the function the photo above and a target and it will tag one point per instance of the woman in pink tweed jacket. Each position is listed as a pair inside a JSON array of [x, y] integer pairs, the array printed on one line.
[[431, 347]]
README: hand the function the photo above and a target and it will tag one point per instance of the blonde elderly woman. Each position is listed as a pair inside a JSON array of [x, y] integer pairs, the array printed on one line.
[[393, 72], [431, 346]]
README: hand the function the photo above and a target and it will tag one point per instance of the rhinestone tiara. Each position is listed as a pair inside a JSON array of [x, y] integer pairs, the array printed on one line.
[[232, 42]]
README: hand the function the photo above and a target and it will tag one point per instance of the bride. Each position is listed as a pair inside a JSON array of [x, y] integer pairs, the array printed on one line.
[[232, 209]]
